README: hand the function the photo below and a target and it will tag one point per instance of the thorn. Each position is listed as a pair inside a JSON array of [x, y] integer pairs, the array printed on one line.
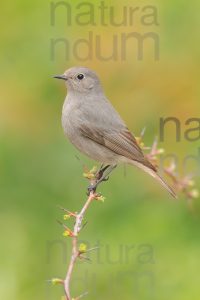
[[143, 131], [154, 146], [85, 168], [55, 281], [62, 208], [48, 280], [92, 249], [62, 224], [78, 158], [68, 211], [70, 232], [84, 225], [81, 296], [84, 257]]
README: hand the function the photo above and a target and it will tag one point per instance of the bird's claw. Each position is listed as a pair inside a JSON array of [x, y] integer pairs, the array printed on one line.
[[91, 188], [105, 179]]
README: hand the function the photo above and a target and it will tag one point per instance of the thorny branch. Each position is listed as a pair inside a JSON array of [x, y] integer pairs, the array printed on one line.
[[75, 251], [183, 184], [78, 251]]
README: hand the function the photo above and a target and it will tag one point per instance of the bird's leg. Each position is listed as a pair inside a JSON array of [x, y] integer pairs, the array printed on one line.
[[101, 171], [98, 176], [104, 177]]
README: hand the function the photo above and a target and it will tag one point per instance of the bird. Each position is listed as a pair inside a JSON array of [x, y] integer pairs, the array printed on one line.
[[95, 128]]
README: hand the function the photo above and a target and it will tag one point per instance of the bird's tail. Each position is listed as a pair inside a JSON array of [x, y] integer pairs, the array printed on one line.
[[154, 173]]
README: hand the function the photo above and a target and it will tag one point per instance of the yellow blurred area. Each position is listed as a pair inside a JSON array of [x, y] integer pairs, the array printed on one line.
[[38, 167]]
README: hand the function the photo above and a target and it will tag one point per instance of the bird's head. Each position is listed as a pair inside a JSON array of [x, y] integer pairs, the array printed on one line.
[[81, 79]]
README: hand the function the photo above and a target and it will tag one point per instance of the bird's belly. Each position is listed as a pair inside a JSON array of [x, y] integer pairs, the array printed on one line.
[[85, 145], [94, 151]]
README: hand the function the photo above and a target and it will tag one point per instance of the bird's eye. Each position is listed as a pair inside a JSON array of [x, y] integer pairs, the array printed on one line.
[[80, 76]]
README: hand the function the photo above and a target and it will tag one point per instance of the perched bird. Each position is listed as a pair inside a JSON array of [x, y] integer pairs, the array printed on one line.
[[94, 127]]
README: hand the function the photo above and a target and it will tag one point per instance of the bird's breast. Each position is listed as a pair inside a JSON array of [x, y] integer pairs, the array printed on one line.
[[71, 120]]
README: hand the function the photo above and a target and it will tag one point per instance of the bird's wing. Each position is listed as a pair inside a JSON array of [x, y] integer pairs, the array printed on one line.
[[124, 143], [121, 142]]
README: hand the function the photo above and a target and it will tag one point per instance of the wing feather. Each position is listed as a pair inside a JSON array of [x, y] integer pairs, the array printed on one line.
[[121, 142]]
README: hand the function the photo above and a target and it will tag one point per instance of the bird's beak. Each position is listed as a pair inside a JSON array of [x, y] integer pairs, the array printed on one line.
[[63, 77]]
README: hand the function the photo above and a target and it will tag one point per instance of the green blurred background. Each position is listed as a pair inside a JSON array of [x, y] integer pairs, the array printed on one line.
[[39, 170]]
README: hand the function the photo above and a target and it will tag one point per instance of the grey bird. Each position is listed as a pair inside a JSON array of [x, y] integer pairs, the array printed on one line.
[[96, 129]]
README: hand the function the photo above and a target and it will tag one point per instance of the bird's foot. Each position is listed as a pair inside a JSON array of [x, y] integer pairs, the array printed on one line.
[[101, 171], [91, 189], [100, 176]]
